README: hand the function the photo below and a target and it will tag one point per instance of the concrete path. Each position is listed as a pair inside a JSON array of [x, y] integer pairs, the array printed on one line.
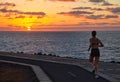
[[59, 72]]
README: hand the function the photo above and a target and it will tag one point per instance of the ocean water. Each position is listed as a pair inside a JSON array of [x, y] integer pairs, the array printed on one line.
[[64, 44]]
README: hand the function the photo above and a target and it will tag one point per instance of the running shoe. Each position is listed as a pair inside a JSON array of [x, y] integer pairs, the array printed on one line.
[[96, 76]]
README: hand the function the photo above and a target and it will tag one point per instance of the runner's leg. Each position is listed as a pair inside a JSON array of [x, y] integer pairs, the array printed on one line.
[[96, 63], [91, 58]]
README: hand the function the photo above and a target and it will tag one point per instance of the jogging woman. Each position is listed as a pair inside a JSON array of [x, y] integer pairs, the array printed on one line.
[[95, 43]]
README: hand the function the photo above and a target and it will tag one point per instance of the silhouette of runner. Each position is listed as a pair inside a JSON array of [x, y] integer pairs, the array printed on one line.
[[95, 43]]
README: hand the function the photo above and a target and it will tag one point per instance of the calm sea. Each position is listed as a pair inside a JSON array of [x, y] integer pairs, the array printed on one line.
[[70, 44]]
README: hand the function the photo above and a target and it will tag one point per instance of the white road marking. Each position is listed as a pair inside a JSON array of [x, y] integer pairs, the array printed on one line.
[[72, 74]]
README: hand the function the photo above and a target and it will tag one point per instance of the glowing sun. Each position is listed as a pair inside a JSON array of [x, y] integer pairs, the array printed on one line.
[[28, 28]]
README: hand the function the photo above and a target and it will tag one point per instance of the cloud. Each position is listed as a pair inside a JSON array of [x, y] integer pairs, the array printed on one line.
[[7, 4], [4, 10], [81, 8], [64, 0], [111, 16], [105, 3], [95, 17], [97, 9], [33, 13], [97, 1], [102, 2], [40, 14], [75, 13], [114, 10], [101, 16]]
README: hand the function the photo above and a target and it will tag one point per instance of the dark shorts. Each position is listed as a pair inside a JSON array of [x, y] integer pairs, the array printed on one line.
[[95, 53]]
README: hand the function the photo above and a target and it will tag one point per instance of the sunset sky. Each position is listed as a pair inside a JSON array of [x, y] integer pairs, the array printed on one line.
[[59, 15]]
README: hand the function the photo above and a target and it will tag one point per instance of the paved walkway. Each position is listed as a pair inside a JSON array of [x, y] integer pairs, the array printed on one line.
[[59, 72], [14, 72]]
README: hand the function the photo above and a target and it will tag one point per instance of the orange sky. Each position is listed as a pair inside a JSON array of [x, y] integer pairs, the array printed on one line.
[[59, 15]]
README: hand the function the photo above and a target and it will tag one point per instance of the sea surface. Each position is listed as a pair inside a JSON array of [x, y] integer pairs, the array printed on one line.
[[64, 44]]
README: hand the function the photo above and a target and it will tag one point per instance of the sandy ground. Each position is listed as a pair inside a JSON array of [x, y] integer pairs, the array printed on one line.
[[110, 70]]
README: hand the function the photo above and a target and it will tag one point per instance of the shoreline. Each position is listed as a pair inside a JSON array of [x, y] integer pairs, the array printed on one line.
[[109, 69], [54, 55]]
